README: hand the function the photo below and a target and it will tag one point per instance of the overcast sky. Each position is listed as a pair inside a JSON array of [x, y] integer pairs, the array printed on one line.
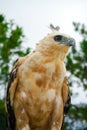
[[34, 16]]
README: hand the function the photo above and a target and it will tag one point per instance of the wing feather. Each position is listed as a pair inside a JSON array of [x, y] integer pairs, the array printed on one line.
[[66, 96], [10, 93], [9, 97]]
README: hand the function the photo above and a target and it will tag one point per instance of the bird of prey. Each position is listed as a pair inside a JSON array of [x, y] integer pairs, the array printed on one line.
[[38, 93]]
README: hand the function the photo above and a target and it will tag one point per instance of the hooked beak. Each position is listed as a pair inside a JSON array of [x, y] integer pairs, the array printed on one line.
[[71, 42]]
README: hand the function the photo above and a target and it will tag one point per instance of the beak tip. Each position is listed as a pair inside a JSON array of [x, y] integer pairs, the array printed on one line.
[[72, 43]]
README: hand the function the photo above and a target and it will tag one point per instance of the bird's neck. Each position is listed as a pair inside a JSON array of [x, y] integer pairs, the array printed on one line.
[[52, 51]]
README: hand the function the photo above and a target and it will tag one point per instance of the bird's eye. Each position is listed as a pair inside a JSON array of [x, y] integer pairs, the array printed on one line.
[[58, 38]]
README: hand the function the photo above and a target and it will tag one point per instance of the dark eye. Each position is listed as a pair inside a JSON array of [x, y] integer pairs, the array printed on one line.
[[58, 38]]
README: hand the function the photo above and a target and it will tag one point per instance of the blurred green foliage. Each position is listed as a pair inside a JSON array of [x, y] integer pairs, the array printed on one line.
[[77, 68], [2, 116], [11, 39], [77, 60]]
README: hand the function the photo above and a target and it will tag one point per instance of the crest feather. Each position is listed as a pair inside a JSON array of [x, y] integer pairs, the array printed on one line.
[[53, 28]]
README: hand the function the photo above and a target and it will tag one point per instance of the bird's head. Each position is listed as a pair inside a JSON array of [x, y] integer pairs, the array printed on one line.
[[56, 43]]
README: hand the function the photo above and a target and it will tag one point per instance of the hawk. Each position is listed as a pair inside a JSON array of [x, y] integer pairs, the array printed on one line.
[[38, 92]]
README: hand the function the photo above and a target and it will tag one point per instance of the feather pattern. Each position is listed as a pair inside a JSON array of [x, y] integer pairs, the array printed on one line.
[[10, 112], [38, 93]]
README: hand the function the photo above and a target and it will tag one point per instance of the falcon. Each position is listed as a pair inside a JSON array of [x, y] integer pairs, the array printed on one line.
[[38, 93]]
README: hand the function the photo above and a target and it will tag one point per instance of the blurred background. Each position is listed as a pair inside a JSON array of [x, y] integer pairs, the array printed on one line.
[[23, 23]]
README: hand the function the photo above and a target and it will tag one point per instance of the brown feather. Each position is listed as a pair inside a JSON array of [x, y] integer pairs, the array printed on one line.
[[37, 90]]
